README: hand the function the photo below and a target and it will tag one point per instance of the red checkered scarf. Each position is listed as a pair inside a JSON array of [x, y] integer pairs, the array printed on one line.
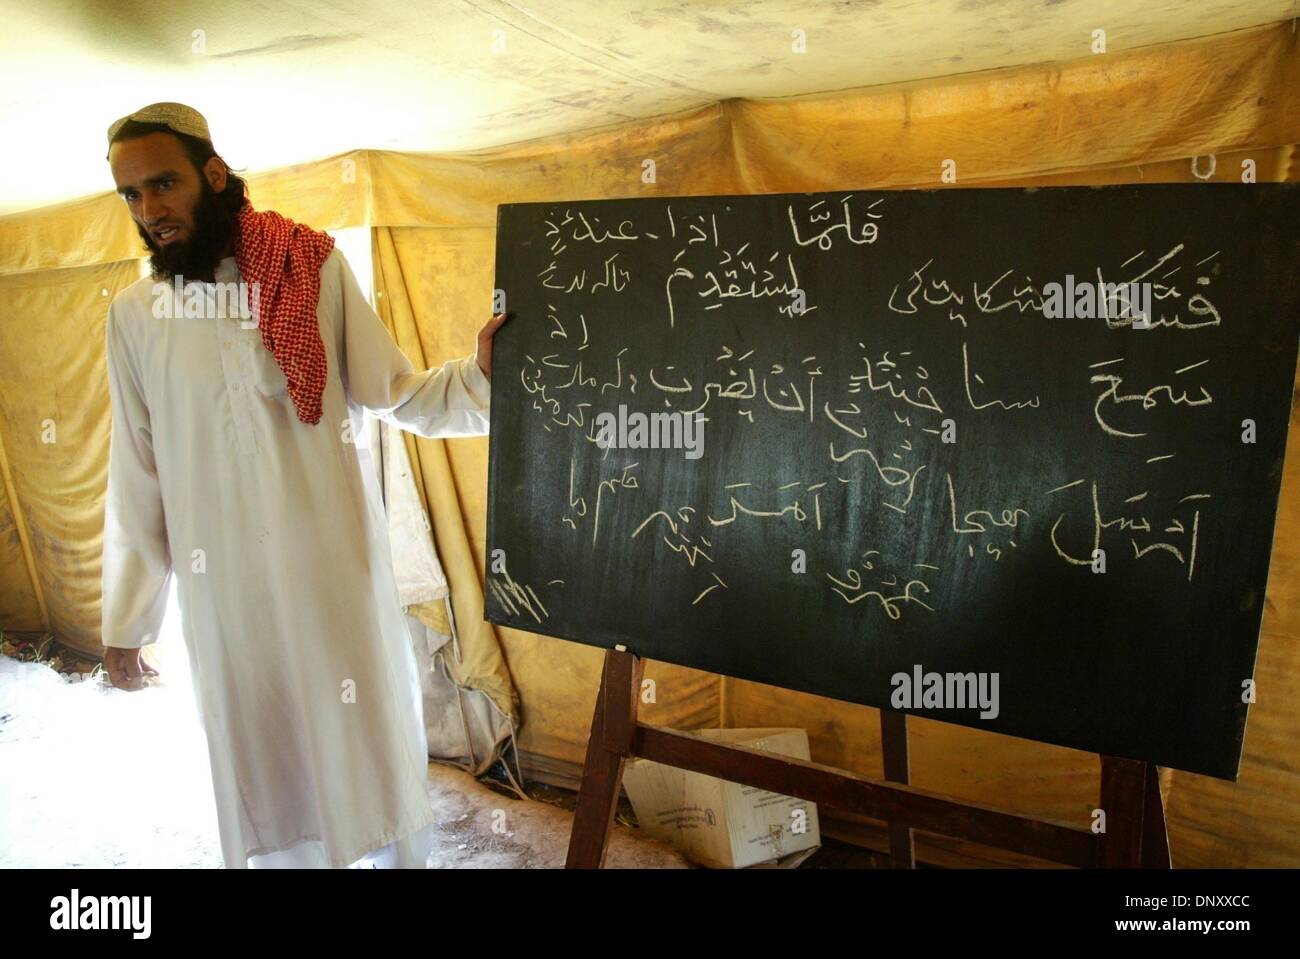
[[284, 259]]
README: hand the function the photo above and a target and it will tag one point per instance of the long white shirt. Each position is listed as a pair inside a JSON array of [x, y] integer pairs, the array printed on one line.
[[285, 583]]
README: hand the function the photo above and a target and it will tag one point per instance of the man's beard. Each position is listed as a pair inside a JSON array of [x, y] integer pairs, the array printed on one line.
[[197, 257]]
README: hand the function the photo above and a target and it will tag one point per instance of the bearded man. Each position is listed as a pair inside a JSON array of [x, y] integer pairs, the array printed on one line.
[[231, 467]]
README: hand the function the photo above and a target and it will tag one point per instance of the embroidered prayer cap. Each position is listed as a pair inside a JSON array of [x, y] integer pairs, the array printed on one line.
[[177, 116]]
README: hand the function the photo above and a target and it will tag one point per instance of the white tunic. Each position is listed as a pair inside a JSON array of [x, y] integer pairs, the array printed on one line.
[[301, 661]]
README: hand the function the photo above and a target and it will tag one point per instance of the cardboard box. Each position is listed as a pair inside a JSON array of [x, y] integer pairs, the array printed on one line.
[[723, 824]]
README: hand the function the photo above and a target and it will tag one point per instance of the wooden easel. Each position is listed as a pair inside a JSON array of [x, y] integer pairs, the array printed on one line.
[[1135, 833]]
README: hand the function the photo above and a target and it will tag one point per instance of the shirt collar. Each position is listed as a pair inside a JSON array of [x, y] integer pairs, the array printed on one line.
[[227, 270]]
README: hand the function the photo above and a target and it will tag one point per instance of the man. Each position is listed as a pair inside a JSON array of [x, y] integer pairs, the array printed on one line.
[[231, 466]]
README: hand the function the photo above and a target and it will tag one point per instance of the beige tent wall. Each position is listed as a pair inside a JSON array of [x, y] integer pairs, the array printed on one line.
[[1134, 117], [54, 427]]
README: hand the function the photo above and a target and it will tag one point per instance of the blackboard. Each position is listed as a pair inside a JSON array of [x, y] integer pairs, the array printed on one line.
[[1079, 505]]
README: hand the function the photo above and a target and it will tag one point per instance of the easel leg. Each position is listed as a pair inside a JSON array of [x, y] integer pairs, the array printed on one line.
[[1126, 799], [893, 750], [608, 747], [1155, 837]]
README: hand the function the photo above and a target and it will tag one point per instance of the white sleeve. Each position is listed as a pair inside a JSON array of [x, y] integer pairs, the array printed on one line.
[[137, 564], [451, 401]]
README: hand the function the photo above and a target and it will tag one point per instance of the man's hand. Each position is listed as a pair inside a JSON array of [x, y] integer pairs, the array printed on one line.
[[126, 670], [483, 355]]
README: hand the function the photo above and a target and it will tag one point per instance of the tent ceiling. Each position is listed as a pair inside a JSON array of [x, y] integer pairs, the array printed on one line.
[[283, 82]]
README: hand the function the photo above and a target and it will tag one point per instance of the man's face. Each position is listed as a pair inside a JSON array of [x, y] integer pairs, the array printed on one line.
[[174, 207]]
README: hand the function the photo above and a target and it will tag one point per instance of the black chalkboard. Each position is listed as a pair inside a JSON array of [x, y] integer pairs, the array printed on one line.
[[882, 388]]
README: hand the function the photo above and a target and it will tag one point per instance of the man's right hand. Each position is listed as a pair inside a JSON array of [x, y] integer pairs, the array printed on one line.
[[483, 351], [126, 669]]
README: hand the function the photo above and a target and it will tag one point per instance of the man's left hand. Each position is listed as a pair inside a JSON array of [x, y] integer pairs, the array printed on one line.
[[483, 355]]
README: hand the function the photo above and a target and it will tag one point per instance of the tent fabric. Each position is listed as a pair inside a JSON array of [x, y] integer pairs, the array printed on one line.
[[54, 428], [1237, 91], [426, 325], [1141, 116], [462, 726], [448, 75]]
